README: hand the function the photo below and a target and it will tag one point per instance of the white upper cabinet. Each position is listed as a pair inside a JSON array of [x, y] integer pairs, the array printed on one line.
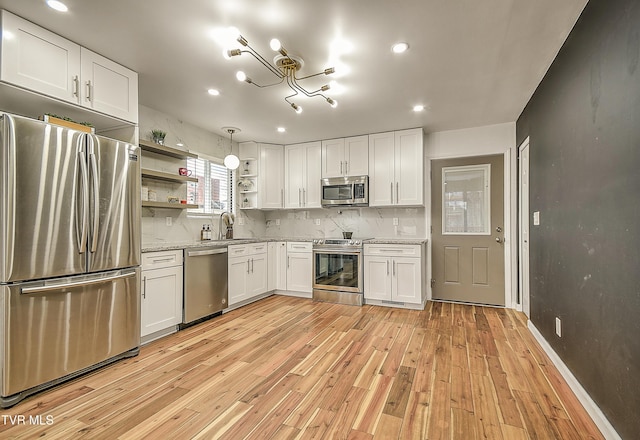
[[271, 176], [108, 87], [302, 175], [39, 60], [345, 157], [396, 168]]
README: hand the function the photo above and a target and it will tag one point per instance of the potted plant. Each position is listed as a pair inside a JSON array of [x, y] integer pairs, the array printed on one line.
[[158, 136]]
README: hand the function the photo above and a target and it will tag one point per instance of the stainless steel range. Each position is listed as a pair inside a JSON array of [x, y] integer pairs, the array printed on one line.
[[337, 271]]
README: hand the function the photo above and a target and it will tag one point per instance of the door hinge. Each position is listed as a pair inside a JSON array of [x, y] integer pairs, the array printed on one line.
[[433, 283]]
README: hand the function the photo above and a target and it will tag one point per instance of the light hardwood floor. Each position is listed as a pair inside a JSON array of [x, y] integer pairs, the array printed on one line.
[[286, 368]]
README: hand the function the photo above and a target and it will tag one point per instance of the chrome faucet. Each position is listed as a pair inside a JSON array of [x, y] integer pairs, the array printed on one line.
[[228, 223]]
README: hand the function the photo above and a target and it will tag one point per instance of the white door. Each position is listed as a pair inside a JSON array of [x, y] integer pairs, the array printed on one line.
[[407, 280], [238, 275], [467, 239], [271, 178], [523, 220], [408, 171], [333, 158], [377, 278], [312, 190], [108, 87], [294, 164], [356, 156], [39, 60], [381, 169], [161, 299], [257, 275]]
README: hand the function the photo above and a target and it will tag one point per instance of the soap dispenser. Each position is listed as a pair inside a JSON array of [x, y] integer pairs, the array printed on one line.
[[203, 233], [209, 234]]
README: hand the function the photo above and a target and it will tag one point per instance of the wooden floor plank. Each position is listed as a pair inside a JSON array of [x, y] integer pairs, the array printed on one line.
[[285, 368]]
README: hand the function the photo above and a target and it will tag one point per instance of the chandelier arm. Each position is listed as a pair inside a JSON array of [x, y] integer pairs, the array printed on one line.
[[264, 62], [268, 85], [309, 76], [305, 91]]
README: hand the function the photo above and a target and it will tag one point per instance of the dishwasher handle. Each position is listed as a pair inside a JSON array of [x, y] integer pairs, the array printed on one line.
[[206, 252]]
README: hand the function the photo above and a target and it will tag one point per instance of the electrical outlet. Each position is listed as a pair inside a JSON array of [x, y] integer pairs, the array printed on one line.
[[240, 221], [558, 327], [317, 222], [168, 220], [536, 218], [277, 222], [395, 221]]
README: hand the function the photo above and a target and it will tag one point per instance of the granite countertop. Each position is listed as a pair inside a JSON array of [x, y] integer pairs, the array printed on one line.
[[168, 246], [419, 241]]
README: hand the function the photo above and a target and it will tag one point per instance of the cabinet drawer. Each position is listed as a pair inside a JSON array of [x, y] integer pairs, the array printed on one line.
[[299, 246], [258, 248], [237, 250], [399, 250], [160, 259]]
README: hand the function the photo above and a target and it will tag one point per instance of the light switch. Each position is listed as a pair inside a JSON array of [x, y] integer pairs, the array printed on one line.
[[536, 218], [395, 221], [168, 221]]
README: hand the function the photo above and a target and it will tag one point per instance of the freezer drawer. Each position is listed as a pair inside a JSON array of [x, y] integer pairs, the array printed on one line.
[[55, 328]]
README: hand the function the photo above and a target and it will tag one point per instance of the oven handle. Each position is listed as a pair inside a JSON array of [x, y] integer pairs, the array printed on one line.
[[338, 251]]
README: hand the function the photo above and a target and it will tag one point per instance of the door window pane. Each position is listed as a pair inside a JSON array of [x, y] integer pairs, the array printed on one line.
[[465, 200]]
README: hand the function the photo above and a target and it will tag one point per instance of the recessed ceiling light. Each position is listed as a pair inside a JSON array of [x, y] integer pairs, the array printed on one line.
[[418, 108], [281, 129], [57, 5], [213, 92], [400, 47]]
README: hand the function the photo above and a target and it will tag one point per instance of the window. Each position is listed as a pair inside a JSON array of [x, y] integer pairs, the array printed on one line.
[[213, 192], [465, 200]]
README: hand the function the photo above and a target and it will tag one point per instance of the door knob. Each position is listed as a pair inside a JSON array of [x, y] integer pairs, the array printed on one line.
[[498, 239]]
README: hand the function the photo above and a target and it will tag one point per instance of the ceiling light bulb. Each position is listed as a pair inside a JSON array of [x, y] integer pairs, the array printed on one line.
[[231, 53], [57, 5], [241, 40], [275, 44], [332, 102], [231, 161], [329, 71], [213, 92], [418, 108], [400, 47], [281, 129], [241, 76], [297, 108]]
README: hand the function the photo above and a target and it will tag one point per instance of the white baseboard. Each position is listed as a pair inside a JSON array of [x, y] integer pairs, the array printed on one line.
[[594, 411]]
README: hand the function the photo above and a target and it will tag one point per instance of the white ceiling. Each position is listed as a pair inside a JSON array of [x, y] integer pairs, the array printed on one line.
[[471, 62]]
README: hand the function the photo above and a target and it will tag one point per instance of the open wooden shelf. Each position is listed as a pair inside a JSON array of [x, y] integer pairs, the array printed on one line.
[[163, 149], [160, 175], [149, 204]]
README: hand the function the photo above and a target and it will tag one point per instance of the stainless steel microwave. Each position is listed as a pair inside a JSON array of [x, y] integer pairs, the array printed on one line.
[[345, 191]]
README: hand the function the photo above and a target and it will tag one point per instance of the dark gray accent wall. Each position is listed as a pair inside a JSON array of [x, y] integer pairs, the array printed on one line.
[[584, 127]]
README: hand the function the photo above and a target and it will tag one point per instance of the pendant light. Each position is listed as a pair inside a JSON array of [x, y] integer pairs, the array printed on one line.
[[231, 161]]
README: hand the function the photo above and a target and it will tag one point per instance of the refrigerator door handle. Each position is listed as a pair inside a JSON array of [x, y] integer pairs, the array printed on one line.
[[47, 288], [84, 233], [96, 197]]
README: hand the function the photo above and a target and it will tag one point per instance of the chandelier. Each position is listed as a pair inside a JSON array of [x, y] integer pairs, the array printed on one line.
[[284, 67]]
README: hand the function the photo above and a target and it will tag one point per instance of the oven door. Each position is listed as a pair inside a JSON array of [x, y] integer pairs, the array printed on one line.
[[338, 270]]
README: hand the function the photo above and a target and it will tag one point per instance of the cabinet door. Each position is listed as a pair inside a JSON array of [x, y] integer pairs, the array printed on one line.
[[108, 87], [299, 271], [312, 195], [356, 156], [381, 169], [377, 278], [257, 283], [333, 158], [294, 164], [271, 179], [238, 274], [272, 265], [281, 263], [39, 60], [407, 280], [161, 305], [409, 165]]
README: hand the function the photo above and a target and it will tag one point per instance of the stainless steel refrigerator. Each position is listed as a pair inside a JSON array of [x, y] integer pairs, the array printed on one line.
[[70, 247]]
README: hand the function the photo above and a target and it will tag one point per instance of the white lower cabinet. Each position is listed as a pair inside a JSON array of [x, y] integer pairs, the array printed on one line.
[[247, 272], [277, 265], [394, 273], [299, 266], [161, 302]]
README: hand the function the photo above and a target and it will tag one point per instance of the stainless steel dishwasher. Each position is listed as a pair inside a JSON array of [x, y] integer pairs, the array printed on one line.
[[205, 283]]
